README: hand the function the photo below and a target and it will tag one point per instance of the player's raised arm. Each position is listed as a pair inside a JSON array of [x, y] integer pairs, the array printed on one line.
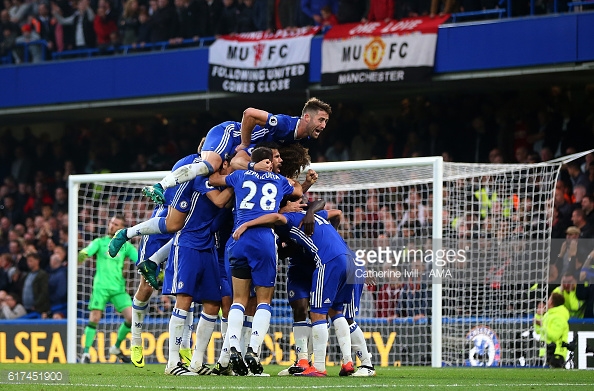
[[310, 179], [267, 219], [251, 117]]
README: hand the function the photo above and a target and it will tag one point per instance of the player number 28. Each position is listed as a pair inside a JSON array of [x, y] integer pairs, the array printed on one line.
[[267, 200]]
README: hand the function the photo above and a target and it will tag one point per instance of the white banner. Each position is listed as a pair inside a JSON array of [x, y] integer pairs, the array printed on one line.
[[380, 52], [260, 62]]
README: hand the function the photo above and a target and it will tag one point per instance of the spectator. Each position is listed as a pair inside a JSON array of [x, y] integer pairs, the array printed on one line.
[[104, 25], [144, 29], [83, 33], [34, 52], [576, 175], [35, 288], [388, 296], [47, 26], [41, 197], [563, 207], [164, 22], [7, 270], [210, 12], [328, 18], [227, 23], [189, 21], [380, 11], [60, 201], [288, 11], [351, 11], [128, 24], [588, 208], [246, 17], [19, 11], [313, 9], [10, 308], [9, 209], [22, 166], [57, 283], [578, 218]]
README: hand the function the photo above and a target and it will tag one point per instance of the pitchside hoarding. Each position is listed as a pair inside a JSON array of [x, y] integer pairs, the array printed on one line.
[[392, 343]]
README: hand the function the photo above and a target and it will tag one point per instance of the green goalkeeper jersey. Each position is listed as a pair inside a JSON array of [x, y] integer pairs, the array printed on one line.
[[109, 273]]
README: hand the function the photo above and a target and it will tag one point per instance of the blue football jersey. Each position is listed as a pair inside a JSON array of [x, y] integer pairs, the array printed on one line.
[[281, 128], [257, 193], [196, 232], [325, 244]]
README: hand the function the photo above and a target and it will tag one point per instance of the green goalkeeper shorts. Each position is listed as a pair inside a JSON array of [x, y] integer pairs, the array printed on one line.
[[101, 296]]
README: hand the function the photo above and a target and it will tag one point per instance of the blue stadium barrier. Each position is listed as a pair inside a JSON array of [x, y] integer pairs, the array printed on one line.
[[127, 49], [461, 15]]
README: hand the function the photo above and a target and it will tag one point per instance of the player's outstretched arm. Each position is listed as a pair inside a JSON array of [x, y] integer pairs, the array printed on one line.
[[251, 117], [267, 219]]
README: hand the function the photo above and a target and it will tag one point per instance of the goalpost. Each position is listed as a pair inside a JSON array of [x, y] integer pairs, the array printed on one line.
[[467, 241]]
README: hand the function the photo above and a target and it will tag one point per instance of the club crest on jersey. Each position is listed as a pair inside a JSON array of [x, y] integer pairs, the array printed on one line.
[[180, 285], [291, 293], [273, 121], [183, 204]]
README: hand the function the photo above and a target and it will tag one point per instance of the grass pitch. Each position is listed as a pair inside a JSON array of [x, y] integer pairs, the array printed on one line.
[[121, 376]]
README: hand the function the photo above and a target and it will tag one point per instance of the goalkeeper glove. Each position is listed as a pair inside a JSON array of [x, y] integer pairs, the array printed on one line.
[[82, 256]]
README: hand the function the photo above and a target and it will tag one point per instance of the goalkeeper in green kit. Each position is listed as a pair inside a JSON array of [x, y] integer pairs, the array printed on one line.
[[109, 285]]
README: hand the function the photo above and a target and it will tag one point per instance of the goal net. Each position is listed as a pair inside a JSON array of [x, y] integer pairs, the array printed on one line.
[[468, 241]]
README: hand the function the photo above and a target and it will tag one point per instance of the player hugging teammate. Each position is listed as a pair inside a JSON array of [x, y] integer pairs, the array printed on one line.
[[320, 261]]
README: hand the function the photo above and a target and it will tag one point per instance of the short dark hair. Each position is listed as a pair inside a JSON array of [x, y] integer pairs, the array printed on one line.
[[35, 256], [315, 105], [557, 299], [268, 144], [261, 153]]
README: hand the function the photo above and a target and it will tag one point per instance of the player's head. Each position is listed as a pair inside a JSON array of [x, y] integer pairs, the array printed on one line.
[[262, 153], [277, 162], [295, 159], [226, 165], [118, 221], [315, 115]]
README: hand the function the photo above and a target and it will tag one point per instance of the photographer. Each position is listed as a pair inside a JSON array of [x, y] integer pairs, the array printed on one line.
[[556, 327]]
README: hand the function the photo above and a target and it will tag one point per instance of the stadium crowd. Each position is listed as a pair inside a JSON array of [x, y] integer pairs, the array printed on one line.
[[34, 172], [109, 24]]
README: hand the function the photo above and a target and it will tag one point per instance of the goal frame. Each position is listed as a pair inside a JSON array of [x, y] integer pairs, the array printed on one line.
[[74, 182]]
